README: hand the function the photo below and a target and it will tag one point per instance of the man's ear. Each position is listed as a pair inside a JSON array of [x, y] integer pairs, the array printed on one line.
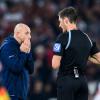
[[66, 21], [17, 33]]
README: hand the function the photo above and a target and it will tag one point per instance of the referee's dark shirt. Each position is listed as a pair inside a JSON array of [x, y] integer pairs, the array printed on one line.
[[77, 53]]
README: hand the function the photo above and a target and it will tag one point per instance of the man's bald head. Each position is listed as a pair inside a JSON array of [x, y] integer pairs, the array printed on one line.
[[19, 27], [22, 32]]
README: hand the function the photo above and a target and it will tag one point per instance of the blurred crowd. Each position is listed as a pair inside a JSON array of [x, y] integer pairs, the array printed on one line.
[[42, 18]]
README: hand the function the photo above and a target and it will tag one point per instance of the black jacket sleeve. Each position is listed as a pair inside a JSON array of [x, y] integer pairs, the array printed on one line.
[[94, 49], [60, 43]]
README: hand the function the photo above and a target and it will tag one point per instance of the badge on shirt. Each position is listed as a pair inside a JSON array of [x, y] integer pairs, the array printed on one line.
[[57, 47]]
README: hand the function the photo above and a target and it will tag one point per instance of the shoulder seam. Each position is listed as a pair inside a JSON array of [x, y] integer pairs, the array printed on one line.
[[69, 40], [88, 38]]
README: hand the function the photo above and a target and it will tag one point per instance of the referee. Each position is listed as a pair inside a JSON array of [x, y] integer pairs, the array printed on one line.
[[72, 49]]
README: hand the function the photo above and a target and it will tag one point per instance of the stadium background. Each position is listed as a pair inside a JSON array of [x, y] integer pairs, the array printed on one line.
[[41, 16]]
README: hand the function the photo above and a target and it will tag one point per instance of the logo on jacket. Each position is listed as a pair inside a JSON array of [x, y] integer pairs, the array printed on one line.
[[11, 56]]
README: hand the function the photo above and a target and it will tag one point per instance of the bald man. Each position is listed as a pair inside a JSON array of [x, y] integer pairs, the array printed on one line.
[[16, 57]]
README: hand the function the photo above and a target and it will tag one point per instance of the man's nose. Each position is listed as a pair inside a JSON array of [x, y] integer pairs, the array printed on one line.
[[29, 36]]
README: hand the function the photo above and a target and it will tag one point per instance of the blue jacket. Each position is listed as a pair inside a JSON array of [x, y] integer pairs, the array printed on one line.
[[17, 66]]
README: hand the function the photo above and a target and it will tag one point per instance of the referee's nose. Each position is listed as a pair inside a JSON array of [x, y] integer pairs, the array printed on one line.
[[59, 25]]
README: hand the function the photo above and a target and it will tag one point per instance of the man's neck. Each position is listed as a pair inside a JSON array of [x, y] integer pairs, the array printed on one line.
[[72, 27]]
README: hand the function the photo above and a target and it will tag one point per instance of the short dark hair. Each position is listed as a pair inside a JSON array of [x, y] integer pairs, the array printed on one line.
[[69, 12]]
